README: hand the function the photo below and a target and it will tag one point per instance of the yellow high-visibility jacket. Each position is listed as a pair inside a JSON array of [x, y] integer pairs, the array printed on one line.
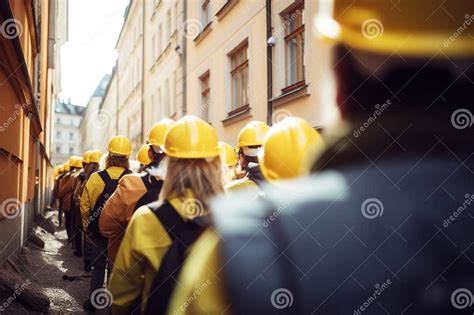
[[139, 257], [243, 183], [201, 287], [92, 190]]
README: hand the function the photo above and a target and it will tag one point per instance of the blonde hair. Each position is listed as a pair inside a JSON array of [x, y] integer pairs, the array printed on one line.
[[202, 177]]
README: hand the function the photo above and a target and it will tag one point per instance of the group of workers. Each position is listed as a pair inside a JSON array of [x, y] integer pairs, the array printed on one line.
[[119, 214], [288, 222]]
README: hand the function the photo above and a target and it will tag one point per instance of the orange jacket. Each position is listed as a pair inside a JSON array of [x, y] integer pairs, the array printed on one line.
[[75, 208], [66, 188], [119, 209]]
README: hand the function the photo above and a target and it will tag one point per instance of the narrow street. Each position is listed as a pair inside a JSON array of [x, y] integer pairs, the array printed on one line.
[[42, 269]]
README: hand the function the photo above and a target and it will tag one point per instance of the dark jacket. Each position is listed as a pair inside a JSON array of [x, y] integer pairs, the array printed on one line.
[[384, 226]]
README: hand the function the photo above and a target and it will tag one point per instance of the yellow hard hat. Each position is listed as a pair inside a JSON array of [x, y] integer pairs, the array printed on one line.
[[417, 28], [119, 145], [67, 167], [142, 155], [191, 138], [158, 132], [252, 134], [72, 160], [56, 171], [77, 162], [86, 157], [227, 153], [95, 156], [288, 148], [61, 169]]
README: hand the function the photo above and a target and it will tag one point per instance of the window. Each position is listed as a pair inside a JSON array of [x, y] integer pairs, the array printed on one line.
[[58, 149], [71, 136], [205, 96], [206, 12], [159, 103], [58, 134], [166, 103], [239, 77], [71, 150], [294, 44]]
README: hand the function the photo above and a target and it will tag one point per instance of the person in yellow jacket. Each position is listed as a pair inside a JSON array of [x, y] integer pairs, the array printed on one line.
[[193, 177], [94, 195], [249, 141], [285, 154], [92, 159], [132, 189]]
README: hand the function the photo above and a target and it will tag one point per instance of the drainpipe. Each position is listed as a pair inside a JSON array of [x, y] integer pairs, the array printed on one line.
[[143, 71], [183, 55], [269, 63]]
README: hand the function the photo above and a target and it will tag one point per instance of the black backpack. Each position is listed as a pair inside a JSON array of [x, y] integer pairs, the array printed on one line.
[[183, 234], [153, 188], [94, 215]]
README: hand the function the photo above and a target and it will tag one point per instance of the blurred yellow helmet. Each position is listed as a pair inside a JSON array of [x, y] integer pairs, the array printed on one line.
[[72, 160], [86, 156], [56, 171], [95, 156], [119, 145], [191, 138], [417, 28], [67, 167], [252, 134], [142, 155], [288, 149], [228, 155], [61, 169], [78, 163], [158, 132]]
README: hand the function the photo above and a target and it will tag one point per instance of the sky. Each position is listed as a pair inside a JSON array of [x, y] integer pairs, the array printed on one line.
[[89, 54]]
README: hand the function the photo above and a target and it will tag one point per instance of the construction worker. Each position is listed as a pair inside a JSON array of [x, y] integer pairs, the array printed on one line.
[[66, 168], [143, 158], [193, 177], [229, 161], [373, 231], [65, 192], [76, 224], [98, 189], [134, 190], [249, 141], [286, 151], [92, 166]]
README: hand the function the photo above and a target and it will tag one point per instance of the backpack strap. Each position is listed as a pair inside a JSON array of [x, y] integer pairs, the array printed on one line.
[[169, 218], [104, 175]]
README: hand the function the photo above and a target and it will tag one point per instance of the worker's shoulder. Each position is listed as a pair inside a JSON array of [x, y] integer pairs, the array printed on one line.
[[243, 183]]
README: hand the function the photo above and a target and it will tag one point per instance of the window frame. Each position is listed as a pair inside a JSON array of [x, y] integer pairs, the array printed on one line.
[[235, 70], [297, 33], [205, 93]]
